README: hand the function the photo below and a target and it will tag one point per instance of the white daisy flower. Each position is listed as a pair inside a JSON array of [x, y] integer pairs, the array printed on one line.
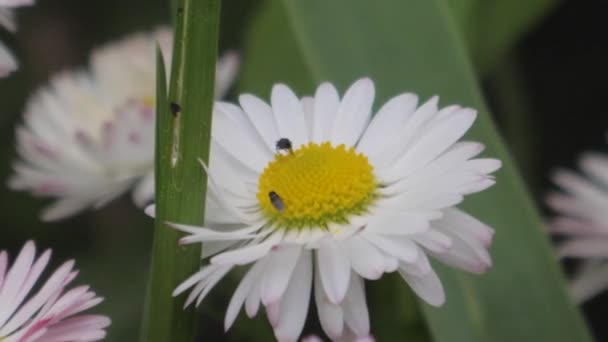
[[8, 63], [315, 191], [583, 219], [89, 136], [50, 314]]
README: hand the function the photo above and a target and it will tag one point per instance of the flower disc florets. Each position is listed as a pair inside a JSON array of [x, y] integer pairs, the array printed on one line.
[[315, 185]]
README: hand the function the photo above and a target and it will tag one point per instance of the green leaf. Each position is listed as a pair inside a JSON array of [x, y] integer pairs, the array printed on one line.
[[414, 45], [491, 28], [182, 138]]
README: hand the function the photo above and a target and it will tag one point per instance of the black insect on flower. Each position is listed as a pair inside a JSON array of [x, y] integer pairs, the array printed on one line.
[[276, 201], [284, 144]]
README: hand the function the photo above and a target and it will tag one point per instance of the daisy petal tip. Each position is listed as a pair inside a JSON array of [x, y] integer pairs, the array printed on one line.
[[233, 57], [365, 82], [29, 247], [437, 302], [151, 210]]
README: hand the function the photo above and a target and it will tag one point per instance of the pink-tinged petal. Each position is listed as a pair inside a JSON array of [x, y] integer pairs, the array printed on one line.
[[584, 248], [592, 280], [294, 304], [365, 258], [334, 269], [15, 278], [330, 315], [282, 262], [356, 314], [50, 314], [428, 287]]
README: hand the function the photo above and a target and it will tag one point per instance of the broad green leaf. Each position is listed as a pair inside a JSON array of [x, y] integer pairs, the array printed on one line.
[[414, 45], [491, 28]]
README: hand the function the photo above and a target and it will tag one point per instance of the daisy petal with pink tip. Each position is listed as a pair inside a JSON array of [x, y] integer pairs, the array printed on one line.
[[52, 312]]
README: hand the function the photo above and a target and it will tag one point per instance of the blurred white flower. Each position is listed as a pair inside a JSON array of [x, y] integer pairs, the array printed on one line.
[[52, 313], [8, 63], [314, 190], [89, 136], [583, 218], [347, 337]]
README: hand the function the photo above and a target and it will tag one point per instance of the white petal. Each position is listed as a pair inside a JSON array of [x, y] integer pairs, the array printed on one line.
[[308, 105], [330, 315], [354, 113], [16, 3], [407, 135], [144, 190], [7, 19], [260, 115], [366, 260], [356, 314], [402, 248], [401, 223], [432, 144], [63, 208], [294, 305], [334, 269], [589, 283], [233, 131], [281, 264], [584, 248], [248, 254], [3, 266], [325, 109], [289, 115], [595, 165], [387, 123], [427, 287], [434, 241], [14, 280], [8, 63], [240, 294], [226, 71]]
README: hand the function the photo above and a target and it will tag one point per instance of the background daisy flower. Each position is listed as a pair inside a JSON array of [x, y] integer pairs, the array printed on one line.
[[88, 137], [8, 63], [315, 196], [52, 313], [582, 210]]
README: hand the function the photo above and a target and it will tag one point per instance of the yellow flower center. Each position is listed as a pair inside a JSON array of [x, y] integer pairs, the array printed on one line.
[[315, 185]]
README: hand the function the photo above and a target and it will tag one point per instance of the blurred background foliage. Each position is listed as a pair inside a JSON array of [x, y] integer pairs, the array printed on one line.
[[542, 64]]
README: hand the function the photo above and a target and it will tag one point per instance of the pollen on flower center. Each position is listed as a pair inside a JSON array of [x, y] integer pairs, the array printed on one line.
[[315, 185]]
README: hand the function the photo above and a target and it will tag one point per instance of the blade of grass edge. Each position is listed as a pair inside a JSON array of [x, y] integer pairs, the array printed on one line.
[[182, 137]]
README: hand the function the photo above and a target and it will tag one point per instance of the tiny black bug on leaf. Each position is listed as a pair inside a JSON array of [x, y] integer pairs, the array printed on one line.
[[175, 108], [276, 201]]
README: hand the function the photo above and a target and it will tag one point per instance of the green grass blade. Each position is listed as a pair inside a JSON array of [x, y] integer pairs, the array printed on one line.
[[414, 45], [182, 137]]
